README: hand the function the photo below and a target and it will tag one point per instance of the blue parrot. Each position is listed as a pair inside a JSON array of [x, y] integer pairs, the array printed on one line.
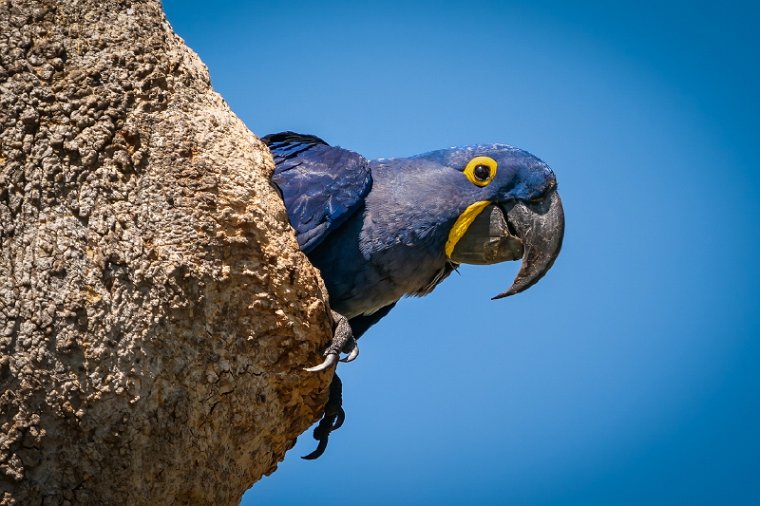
[[379, 230]]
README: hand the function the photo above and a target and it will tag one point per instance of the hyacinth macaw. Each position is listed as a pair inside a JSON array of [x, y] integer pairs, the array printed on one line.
[[382, 229]]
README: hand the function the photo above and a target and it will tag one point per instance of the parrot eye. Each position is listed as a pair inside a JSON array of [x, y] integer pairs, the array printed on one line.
[[481, 170]]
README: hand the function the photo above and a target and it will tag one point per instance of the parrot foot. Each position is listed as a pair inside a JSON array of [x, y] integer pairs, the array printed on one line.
[[331, 420], [343, 341]]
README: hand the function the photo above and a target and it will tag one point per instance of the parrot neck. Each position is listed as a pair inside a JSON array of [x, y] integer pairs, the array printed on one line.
[[408, 210], [395, 245]]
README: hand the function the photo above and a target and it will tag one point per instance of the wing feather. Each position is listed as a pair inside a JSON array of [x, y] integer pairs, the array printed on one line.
[[322, 185]]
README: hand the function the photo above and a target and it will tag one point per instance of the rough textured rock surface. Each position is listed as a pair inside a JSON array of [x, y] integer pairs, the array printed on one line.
[[155, 312]]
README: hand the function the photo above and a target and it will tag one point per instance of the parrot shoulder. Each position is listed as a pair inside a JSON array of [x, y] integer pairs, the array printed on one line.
[[322, 185]]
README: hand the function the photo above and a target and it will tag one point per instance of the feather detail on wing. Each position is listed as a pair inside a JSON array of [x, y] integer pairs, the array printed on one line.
[[322, 185]]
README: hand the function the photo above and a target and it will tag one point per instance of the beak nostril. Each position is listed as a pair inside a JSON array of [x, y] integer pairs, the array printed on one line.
[[552, 186]]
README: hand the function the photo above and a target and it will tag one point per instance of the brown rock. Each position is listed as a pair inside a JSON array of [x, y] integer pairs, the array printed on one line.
[[155, 311]]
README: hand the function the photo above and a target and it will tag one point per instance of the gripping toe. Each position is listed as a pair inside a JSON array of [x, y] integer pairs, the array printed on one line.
[[332, 419], [343, 341]]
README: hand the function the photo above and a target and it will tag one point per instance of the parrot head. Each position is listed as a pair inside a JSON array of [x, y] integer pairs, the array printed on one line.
[[507, 208]]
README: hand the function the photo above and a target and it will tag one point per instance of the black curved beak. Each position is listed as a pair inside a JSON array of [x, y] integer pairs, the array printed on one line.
[[530, 231], [541, 227]]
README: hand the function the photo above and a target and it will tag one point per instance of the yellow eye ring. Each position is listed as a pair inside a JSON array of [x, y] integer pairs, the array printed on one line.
[[481, 170]]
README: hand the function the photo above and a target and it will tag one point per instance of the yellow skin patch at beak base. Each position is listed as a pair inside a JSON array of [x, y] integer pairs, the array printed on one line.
[[462, 224]]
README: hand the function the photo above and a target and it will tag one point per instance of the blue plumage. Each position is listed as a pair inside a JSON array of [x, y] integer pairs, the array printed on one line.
[[383, 229], [377, 229], [321, 185]]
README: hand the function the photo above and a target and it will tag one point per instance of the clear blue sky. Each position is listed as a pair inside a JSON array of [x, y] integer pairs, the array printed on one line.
[[629, 375]]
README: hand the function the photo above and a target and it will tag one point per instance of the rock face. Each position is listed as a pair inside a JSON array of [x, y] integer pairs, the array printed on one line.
[[155, 311]]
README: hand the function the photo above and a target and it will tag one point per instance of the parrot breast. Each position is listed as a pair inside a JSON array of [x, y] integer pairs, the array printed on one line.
[[390, 248]]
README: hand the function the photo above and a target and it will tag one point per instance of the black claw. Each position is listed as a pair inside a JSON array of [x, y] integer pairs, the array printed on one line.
[[321, 447], [332, 419], [339, 419]]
